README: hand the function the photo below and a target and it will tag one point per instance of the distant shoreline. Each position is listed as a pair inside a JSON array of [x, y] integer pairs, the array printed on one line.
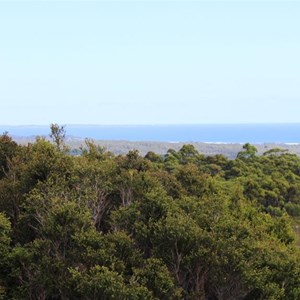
[[117, 147], [285, 133]]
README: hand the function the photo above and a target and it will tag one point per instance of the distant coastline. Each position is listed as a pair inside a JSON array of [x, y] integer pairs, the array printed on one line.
[[207, 133], [207, 139]]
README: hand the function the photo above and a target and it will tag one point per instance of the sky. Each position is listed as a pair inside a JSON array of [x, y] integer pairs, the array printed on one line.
[[149, 62]]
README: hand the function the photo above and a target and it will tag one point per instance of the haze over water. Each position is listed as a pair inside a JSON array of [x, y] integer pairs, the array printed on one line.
[[224, 133]]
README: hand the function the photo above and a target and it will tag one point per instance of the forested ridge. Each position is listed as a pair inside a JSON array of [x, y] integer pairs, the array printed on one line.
[[176, 226], [117, 147]]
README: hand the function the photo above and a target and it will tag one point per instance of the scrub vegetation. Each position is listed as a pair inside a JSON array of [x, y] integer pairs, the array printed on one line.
[[177, 226]]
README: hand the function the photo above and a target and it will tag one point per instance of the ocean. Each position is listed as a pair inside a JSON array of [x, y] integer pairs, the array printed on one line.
[[210, 133]]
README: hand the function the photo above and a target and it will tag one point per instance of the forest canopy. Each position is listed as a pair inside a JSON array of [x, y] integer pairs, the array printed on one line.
[[176, 226]]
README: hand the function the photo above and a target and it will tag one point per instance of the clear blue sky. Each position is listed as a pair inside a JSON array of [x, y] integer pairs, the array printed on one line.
[[155, 62]]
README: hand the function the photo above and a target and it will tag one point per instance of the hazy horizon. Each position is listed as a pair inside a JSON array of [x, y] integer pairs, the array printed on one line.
[[153, 124], [214, 133]]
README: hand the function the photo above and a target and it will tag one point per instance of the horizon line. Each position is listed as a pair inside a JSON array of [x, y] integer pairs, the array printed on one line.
[[150, 124]]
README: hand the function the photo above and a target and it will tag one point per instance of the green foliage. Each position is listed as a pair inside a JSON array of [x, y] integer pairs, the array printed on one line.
[[155, 158], [179, 226], [58, 135], [5, 230], [248, 152], [156, 277], [98, 283], [293, 209], [94, 152], [8, 149]]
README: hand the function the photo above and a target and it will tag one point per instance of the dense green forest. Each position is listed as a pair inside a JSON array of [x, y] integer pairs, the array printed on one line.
[[176, 226]]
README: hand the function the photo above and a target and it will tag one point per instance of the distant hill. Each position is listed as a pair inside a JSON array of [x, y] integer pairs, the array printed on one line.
[[230, 150]]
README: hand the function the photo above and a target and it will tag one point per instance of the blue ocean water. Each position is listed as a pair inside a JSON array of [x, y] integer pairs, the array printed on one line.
[[221, 133]]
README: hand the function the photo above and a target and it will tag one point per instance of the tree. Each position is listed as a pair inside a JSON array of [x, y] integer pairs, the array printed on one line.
[[8, 149], [156, 277], [180, 226], [248, 152], [5, 248], [58, 135]]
